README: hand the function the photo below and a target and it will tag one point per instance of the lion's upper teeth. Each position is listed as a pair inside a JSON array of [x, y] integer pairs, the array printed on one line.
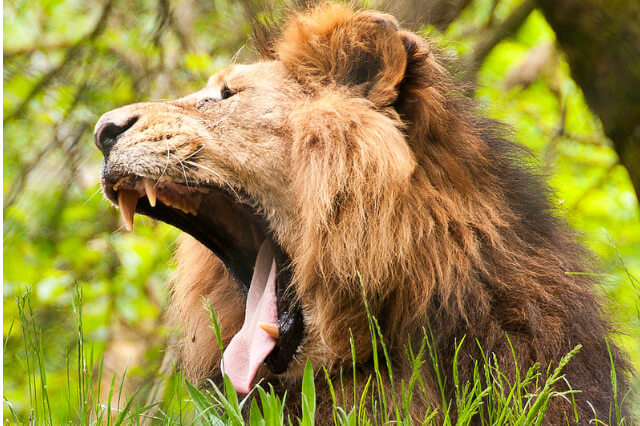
[[184, 199], [120, 182], [151, 190], [127, 201], [187, 203]]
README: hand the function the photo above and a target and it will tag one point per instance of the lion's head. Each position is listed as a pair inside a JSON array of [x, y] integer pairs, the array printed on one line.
[[303, 155], [343, 166]]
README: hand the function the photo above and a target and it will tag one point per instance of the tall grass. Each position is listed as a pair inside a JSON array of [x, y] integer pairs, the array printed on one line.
[[84, 379], [490, 398]]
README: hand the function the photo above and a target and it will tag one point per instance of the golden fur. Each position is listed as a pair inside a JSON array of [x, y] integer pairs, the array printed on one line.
[[374, 173]]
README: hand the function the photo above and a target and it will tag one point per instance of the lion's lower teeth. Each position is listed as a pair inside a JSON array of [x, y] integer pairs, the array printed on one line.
[[271, 329]]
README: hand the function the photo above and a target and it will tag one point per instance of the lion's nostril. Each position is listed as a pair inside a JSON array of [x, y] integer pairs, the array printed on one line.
[[106, 135]]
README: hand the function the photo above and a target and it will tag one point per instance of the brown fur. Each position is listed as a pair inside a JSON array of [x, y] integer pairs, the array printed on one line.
[[374, 171]]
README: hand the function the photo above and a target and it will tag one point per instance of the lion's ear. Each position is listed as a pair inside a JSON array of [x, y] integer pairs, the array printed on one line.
[[333, 44]]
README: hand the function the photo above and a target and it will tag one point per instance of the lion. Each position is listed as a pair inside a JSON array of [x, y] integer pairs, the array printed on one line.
[[344, 167]]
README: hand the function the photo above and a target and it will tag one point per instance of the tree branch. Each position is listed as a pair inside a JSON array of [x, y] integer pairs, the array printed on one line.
[[501, 31], [602, 42], [439, 13], [69, 55], [28, 50], [14, 191]]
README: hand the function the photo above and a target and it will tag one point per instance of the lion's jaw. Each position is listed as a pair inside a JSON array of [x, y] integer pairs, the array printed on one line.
[[214, 167]]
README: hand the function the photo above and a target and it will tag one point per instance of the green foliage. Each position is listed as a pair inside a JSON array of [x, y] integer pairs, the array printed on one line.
[[83, 402], [67, 62], [489, 397]]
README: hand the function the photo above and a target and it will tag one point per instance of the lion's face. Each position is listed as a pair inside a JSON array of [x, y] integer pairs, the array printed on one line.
[[290, 175], [229, 135]]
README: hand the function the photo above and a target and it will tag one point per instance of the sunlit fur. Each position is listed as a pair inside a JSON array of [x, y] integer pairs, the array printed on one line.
[[378, 177]]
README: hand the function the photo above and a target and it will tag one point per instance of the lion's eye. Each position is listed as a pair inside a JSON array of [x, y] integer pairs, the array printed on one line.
[[226, 93]]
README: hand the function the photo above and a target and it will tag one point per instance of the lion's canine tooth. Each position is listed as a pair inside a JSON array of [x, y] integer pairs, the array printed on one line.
[[271, 329], [151, 191], [127, 201]]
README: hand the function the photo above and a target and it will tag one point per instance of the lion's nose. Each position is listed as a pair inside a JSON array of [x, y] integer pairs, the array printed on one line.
[[109, 128]]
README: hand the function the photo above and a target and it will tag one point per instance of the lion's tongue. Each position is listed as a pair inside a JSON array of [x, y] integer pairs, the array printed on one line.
[[249, 348]]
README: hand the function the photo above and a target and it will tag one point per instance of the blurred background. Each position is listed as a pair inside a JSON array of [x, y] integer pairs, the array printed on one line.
[[563, 74]]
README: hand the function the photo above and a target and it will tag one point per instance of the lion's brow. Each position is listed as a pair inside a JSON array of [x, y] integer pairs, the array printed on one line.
[[216, 79]]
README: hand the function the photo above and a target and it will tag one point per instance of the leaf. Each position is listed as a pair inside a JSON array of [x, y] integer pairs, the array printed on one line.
[[202, 403], [255, 416], [308, 396]]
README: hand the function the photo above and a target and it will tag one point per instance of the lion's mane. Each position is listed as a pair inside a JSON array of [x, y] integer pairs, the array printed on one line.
[[410, 197]]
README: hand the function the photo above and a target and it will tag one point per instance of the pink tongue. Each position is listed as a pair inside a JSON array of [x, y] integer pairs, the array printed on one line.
[[249, 348]]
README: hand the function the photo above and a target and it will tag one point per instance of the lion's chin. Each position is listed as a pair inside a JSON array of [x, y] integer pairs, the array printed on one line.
[[230, 225]]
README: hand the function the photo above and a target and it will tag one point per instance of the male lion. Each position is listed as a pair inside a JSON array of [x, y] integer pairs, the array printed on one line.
[[343, 165]]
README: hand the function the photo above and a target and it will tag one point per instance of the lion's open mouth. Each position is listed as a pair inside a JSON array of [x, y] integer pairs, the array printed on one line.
[[231, 226]]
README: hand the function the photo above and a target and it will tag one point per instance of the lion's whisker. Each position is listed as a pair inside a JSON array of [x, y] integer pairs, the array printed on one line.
[[233, 108], [200, 148], [216, 174], [92, 195], [166, 164], [235, 56], [184, 170]]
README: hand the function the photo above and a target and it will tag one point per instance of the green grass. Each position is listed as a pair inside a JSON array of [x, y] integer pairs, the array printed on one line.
[[490, 397]]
